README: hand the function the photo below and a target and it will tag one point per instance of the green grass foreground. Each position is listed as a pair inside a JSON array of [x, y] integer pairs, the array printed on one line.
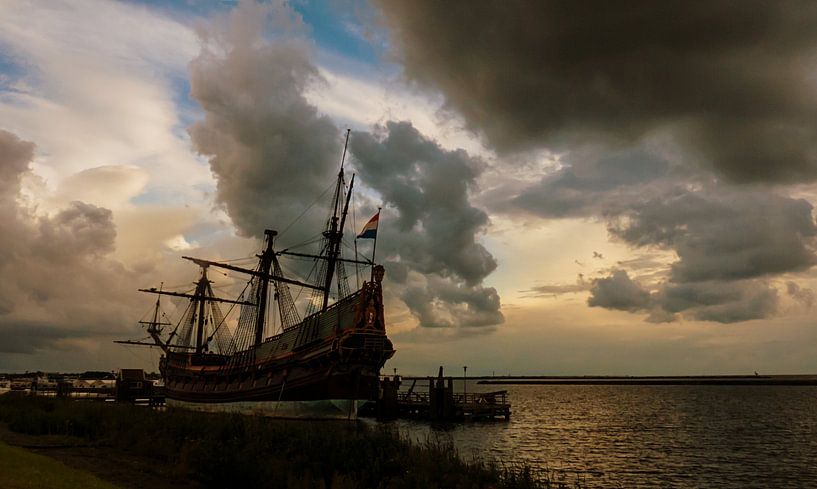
[[231, 450], [21, 469]]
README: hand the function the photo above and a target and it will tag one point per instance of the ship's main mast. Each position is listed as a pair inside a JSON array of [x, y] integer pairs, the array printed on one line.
[[264, 268], [201, 290]]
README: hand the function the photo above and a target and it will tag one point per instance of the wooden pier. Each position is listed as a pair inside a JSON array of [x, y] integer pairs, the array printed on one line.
[[439, 402]]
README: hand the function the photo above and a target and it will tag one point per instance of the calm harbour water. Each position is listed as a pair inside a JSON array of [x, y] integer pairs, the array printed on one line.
[[650, 436]]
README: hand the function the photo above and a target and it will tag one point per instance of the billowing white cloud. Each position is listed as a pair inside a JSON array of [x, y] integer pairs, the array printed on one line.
[[109, 186], [97, 84]]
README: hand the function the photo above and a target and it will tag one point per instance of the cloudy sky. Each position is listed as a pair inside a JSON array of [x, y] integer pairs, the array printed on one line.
[[567, 188]]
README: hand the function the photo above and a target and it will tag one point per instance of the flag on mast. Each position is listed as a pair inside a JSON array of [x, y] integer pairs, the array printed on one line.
[[370, 229]]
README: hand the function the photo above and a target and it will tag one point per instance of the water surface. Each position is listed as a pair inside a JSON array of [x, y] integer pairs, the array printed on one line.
[[650, 436]]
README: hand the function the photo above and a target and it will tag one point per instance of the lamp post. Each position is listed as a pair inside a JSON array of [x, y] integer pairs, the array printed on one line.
[[464, 382]]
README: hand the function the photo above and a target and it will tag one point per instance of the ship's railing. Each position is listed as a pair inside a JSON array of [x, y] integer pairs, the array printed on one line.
[[337, 304]]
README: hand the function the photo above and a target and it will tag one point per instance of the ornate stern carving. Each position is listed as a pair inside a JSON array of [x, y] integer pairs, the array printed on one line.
[[370, 312]]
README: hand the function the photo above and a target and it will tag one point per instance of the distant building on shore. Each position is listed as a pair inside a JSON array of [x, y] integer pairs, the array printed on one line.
[[131, 384]]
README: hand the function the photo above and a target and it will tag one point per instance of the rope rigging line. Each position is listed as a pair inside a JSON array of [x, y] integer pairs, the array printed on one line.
[[189, 320], [311, 240], [308, 277], [234, 260], [318, 199], [171, 287], [286, 306], [222, 341], [224, 318]]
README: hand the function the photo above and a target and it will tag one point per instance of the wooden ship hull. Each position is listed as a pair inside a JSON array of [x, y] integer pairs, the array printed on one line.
[[336, 354]]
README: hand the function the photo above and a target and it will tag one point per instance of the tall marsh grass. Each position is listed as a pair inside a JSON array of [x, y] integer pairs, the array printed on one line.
[[231, 450]]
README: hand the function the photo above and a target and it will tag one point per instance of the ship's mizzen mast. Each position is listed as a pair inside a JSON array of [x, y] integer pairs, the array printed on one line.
[[343, 286], [334, 231]]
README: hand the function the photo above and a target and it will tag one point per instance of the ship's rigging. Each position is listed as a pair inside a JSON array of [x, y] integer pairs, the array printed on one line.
[[203, 327]]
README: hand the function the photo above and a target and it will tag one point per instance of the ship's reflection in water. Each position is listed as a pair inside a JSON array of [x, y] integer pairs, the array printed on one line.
[[651, 436]]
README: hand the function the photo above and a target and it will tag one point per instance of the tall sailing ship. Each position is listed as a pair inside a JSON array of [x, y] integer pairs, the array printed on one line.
[[334, 353]]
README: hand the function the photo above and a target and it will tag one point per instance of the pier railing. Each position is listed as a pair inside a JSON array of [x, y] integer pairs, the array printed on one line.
[[491, 398], [482, 398]]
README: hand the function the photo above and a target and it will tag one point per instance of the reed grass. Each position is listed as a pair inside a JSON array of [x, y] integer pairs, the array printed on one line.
[[232, 450]]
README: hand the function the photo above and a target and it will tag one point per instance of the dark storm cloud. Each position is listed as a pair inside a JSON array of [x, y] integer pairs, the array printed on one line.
[[30, 337], [589, 185], [446, 304], [722, 302], [673, 96], [273, 154], [802, 295], [732, 81], [729, 243], [436, 229], [429, 187], [723, 234], [80, 230], [618, 291], [718, 301], [14, 161], [58, 282], [727, 238]]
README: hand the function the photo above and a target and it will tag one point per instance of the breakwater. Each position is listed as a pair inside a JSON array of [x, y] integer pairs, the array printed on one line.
[[758, 380]]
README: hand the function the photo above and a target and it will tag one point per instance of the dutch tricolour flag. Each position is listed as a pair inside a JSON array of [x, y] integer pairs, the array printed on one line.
[[370, 229]]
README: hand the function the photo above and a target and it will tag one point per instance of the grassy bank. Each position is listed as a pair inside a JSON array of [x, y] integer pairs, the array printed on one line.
[[223, 450], [21, 469]]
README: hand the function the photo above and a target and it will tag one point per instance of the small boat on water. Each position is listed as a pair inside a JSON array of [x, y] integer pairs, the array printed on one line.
[[323, 364]]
